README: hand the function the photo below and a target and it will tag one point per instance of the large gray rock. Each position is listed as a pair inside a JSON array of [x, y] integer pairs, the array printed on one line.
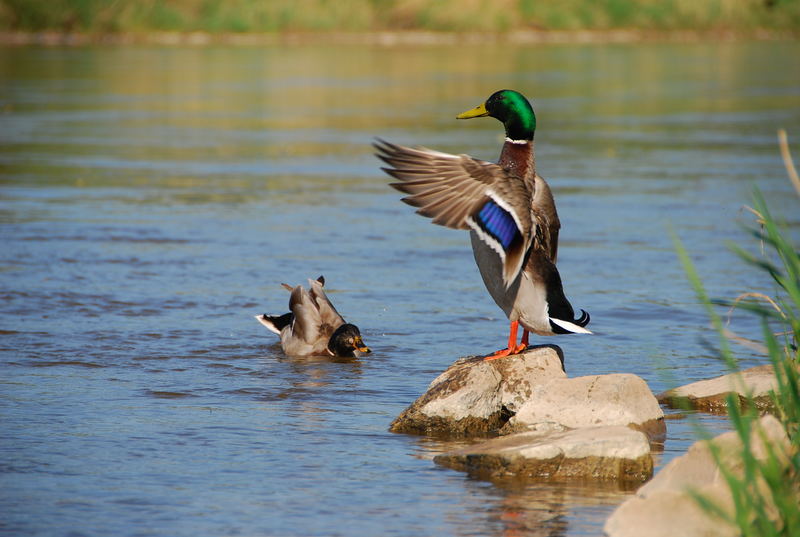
[[528, 392], [558, 427], [475, 397], [711, 395], [664, 507], [590, 401], [607, 453]]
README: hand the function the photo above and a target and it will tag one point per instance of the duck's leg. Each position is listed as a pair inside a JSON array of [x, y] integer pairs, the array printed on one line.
[[524, 343], [513, 348]]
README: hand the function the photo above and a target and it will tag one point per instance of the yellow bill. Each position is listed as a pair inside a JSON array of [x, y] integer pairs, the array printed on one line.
[[478, 111]]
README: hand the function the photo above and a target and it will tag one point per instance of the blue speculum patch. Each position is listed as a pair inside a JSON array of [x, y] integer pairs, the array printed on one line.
[[498, 223]]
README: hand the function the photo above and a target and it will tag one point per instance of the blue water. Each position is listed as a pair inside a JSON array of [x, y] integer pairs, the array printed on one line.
[[153, 199]]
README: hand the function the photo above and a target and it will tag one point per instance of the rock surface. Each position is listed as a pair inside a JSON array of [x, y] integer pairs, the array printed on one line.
[[710, 395], [475, 397], [591, 401], [608, 453], [664, 508], [555, 427], [528, 392]]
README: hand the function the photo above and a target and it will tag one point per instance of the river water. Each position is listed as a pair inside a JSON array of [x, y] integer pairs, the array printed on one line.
[[152, 199]]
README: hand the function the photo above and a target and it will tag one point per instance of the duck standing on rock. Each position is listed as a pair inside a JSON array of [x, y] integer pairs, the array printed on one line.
[[313, 326], [509, 211]]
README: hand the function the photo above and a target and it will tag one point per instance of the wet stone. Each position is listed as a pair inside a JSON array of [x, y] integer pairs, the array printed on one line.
[[711, 395], [599, 453], [664, 507], [591, 401], [596, 427], [528, 392], [474, 397]]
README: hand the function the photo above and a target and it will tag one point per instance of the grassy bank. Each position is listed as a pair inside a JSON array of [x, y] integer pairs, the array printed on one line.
[[268, 16]]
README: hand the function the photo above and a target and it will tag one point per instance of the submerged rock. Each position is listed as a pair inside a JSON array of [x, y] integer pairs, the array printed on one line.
[[474, 397], [591, 401], [665, 508], [711, 395], [607, 453]]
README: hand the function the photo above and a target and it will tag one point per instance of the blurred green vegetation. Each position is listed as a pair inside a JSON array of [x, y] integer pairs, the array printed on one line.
[[239, 16]]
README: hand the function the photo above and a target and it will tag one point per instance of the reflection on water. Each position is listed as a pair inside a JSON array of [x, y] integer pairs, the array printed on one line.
[[541, 510], [153, 199]]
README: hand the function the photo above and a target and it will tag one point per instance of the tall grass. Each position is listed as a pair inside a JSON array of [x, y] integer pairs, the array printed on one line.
[[362, 15], [766, 493]]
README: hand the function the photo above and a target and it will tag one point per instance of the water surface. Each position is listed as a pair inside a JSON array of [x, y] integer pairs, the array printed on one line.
[[153, 199]]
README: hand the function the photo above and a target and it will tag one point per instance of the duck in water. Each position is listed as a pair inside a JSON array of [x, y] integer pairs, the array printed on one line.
[[313, 326]]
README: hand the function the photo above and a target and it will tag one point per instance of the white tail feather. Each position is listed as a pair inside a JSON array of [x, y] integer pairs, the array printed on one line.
[[570, 327], [266, 322]]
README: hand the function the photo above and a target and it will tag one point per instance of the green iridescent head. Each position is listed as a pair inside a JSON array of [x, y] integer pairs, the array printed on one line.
[[512, 109]]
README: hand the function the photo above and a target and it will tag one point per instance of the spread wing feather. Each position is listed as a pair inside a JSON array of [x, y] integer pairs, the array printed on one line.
[[461, 192], [328, 314], [307, 321]]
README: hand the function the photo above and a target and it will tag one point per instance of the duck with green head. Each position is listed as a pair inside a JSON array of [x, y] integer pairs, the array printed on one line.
[[509, 211]]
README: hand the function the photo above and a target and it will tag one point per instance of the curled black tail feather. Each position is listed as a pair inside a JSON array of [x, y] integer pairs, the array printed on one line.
[[276, 323], [575, 326]]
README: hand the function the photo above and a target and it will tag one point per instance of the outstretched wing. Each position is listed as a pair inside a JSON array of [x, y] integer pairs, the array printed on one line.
[[328, 314], [307, 320], [462, 192]]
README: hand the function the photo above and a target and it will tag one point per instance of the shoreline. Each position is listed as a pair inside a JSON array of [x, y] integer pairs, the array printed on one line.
[[391, 38]]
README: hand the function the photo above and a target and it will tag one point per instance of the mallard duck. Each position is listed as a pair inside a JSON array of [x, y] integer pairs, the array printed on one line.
[[313, 326], [510, 214]]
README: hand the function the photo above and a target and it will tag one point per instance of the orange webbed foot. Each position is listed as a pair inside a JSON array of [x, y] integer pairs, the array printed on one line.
[[499, 354], [512, 348], [502, 353]]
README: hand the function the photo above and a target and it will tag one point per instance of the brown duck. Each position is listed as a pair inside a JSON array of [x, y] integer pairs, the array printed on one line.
[[313, 326]]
